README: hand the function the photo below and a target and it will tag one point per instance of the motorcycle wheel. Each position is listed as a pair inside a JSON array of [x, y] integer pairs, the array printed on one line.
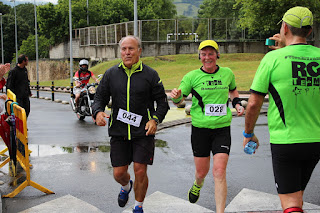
[[80, 117]]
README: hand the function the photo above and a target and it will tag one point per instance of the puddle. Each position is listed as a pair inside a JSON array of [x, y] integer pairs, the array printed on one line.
[[162, 145], [49, 150]]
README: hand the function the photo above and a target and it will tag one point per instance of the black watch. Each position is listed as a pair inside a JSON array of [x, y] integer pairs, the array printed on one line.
[[156, 120]]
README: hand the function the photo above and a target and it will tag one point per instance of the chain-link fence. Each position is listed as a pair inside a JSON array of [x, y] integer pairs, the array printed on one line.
[[167, 30]]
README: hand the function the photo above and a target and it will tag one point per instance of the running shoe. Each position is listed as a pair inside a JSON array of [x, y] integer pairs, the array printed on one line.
[[124, 196], [137, 209], [194, 193]]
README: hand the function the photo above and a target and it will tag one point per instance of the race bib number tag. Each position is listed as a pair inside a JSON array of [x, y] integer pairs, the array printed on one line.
[[216, 109], [129, 118]]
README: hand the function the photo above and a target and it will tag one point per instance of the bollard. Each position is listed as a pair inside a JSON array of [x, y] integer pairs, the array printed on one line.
[[71, 92], [38, 89], [52, 89]]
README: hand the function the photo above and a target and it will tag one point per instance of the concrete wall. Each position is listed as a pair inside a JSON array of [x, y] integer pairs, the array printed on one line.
[[108, 52], [49, 70]]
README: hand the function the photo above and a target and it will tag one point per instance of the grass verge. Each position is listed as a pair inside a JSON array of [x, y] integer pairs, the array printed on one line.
[[172, 68]]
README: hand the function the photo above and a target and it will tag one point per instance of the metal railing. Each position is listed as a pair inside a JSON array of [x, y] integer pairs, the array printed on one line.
[[167, 30]]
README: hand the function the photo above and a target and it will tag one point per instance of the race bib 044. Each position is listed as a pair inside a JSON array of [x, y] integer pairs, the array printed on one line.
[[129, 118], [216, 109]]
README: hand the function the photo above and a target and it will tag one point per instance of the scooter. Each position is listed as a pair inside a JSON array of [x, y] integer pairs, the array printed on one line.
[[86, 99]]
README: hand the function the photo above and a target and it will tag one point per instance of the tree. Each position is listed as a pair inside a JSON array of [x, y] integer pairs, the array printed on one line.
[[49, 21], [26, 13], [4, 9], [54, 19], [28, 47], [9, 35], [263, 16], [156, 9], [220, 10]]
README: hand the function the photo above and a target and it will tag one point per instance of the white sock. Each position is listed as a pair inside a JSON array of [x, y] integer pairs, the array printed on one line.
[[126, 187], [137, 203]]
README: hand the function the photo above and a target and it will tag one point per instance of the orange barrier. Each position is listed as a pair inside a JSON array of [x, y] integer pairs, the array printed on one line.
[[22, 149]]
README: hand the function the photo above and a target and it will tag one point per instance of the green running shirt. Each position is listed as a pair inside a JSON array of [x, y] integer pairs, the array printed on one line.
[[291, 76], [208, 88]]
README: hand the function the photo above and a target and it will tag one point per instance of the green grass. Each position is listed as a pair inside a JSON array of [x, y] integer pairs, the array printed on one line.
[[172, 68]]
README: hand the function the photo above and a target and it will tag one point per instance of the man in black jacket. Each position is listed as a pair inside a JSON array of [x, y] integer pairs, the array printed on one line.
[[134, 87], [19, 83]]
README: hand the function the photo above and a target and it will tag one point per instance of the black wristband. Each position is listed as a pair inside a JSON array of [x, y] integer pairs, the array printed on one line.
[[236, 101]]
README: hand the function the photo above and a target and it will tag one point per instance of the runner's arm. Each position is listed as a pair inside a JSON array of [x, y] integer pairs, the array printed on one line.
[[234, 96], [102, 96], [253, 110]]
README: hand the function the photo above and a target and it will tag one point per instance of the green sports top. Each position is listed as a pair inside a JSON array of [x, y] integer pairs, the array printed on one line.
[[291, 76], [211, 90]]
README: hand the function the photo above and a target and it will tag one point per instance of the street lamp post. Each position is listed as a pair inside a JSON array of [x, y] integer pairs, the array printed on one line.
[[135, 18], [15, 28], [2, 41], [37, 53], [88, 13], [71, 56]]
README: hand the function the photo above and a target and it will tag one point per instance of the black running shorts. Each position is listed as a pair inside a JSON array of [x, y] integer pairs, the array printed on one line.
[[124, 151], [204, 140], [293, 165]]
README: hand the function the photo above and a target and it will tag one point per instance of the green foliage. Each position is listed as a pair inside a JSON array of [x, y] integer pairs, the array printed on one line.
[[26, 12], [218, 9], [28, 47], [49, 22], [156, 9], [263, 16], [222, 29], [54, 19], [9, 35], [4, 9]]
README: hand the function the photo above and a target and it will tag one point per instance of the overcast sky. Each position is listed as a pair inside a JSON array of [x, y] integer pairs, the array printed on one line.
[[29, 1]]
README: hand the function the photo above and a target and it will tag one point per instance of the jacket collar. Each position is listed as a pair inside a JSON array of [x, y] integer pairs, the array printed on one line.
[[137, 67]]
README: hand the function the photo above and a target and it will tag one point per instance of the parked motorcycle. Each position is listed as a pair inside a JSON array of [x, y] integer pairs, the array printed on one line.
[[86, 99]]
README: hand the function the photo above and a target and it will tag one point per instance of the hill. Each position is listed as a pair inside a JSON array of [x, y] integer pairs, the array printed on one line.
[[172, 68], [187, 8]]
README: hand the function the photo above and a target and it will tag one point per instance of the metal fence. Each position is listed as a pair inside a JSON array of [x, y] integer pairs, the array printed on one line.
[[166, 30]]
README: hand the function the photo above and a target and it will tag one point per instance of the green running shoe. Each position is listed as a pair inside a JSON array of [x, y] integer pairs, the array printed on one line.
[[194, 193]]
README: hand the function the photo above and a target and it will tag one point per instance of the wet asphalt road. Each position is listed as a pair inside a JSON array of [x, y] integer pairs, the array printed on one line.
[[72, 157]]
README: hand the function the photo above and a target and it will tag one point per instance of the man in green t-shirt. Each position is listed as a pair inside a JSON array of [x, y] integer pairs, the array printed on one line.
[[291, 76], [210, 87]]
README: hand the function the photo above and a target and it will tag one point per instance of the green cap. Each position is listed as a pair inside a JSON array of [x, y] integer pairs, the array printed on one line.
[[298, 17]]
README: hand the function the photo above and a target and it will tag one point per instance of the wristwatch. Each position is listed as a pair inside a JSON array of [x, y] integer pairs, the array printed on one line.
[[246, 135], [156, 120]]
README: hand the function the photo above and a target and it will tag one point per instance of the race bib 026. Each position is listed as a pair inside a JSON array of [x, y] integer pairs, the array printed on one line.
[[129, 118], [216, 109]]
